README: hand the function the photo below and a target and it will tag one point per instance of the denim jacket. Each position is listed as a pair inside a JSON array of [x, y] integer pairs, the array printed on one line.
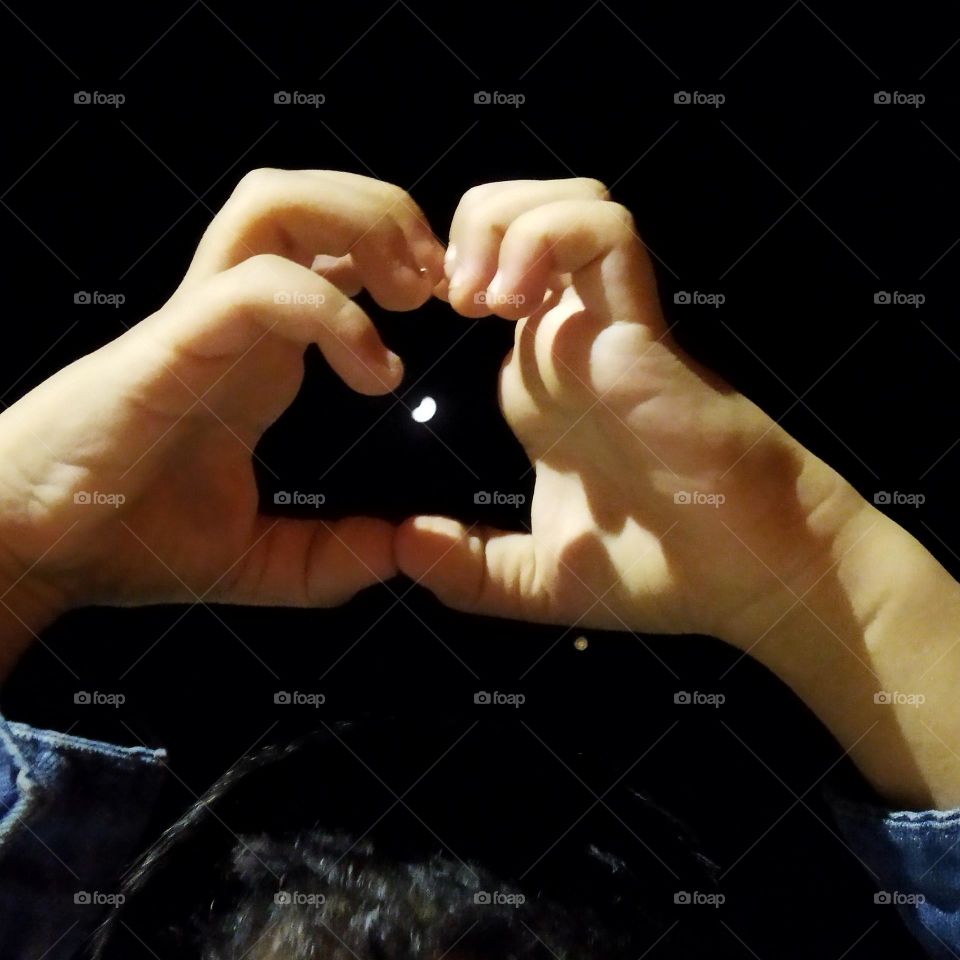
[[72, 813]]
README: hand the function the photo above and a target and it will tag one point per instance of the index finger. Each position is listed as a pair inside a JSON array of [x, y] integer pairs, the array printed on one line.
[[298, 214]]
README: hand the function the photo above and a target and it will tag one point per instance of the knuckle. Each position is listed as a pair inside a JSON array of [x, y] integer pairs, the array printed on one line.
[[347, 322], [249, 206], [255, 181], [230, 302], [382, 233], [227, 305], [528, 229], [261, 268], [240, 290], [596, 187], [395, 202], [393, 192], [619, 218], [478, 194]]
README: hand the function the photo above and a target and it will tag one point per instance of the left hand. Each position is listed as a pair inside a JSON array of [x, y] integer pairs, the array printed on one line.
[[127, 477], [665, 501]]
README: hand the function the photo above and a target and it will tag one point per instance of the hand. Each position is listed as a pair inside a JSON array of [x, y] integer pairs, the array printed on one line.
[[664, 500], [160, 424], [667, 502]]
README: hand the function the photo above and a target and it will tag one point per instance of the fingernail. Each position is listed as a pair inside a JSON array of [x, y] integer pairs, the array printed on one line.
[[323, 262], [394, 363], [408, 272], [426, 252]]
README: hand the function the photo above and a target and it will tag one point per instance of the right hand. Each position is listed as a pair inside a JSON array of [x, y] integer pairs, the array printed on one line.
[[626, 433]]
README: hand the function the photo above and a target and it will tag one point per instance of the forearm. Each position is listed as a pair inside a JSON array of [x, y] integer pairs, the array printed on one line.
[[869, 640]]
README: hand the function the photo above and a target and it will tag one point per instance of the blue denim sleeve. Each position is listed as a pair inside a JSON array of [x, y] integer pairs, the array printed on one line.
[[72, 813], [915, 857]]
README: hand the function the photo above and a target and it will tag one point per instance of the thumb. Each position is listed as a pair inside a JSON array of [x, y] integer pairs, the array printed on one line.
[[306, 563], [479, 569]]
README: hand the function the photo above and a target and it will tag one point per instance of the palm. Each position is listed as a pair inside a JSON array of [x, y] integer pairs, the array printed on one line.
[[621, 426], [189, 526], [613, 436], [163, 421], [179, 455]]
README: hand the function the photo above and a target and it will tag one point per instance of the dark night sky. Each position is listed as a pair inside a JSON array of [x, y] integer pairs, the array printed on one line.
[[799, 199]]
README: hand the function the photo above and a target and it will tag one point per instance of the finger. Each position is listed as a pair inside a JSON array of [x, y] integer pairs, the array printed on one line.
[[426, 249], [476, 570], [480, 221], [312, 563], [300, 213], [593, 241], [549, 361], [266, 296], [342, 272]]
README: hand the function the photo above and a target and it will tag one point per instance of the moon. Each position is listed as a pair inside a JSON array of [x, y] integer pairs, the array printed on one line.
[[425, 410]]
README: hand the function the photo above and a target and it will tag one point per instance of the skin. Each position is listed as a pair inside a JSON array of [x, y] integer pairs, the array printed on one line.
[[168, 415], [664, 500]]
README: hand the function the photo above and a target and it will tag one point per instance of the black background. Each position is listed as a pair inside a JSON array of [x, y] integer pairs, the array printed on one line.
[[799, 198]]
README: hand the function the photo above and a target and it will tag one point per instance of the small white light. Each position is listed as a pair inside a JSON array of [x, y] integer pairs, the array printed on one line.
[[426, 409]]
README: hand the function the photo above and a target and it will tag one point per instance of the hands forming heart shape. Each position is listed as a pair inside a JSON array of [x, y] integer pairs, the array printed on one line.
[[664, 501]]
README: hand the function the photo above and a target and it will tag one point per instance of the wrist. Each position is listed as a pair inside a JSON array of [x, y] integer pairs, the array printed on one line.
[[800, 520], [824, 551], [866, 637]]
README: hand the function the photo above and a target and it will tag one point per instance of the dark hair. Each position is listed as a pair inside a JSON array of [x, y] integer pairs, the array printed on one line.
[[324, 848], [338, 899]]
